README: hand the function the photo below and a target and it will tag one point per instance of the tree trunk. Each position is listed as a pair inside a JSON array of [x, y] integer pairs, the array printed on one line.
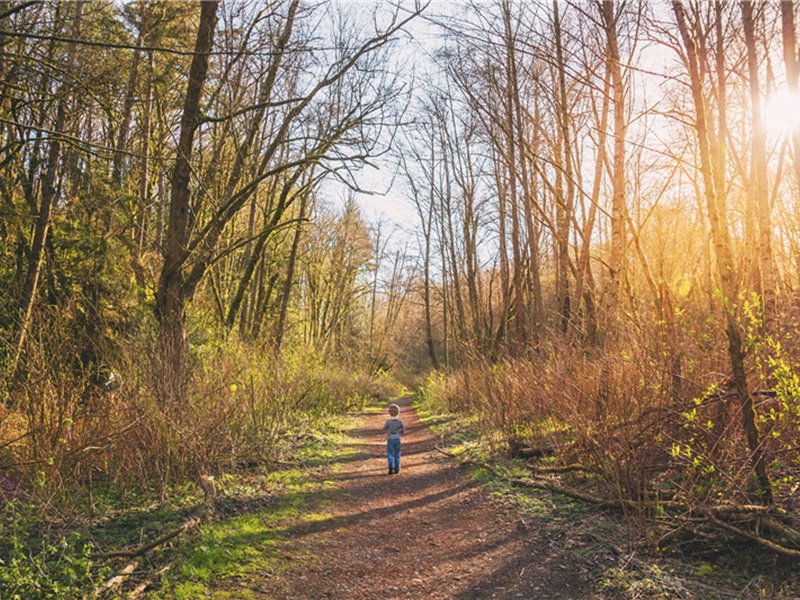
[[130, 97], [759, 192], [725, 265], [618, 203], [565, 193], [792, 66], [170, 295], [512, 160], [280, 325], [144, 172], [584, 271], [426, 220]]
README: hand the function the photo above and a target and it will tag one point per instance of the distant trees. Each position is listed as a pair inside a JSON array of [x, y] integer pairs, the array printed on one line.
[[528, 100]]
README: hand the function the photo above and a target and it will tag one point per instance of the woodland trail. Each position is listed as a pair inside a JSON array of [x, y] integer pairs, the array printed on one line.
[[429, 532]]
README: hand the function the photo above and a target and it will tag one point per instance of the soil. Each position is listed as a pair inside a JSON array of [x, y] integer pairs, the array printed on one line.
[[431, 531]]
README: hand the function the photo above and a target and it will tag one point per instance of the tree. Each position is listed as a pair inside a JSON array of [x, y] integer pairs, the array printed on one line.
[[759, 192], [724, 257], [48, 196], [192, 247], [171, 294], [618, 204]]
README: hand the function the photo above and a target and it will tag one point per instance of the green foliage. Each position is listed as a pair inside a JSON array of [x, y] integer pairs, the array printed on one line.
[[36, 566]]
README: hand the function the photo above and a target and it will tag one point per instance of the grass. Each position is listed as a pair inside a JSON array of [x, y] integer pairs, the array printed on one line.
[[237, 550], [247, 538]]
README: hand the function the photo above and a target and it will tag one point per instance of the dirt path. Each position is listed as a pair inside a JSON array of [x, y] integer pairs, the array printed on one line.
[[429, 532]]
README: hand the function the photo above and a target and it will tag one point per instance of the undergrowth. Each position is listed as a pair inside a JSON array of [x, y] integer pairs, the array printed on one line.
[[53, 538], [628, 566]]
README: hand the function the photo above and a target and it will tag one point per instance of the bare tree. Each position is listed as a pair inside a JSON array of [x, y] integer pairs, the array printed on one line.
[[48, 196]]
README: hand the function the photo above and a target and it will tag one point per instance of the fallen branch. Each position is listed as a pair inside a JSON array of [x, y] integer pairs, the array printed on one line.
[[445, 452], [185, 526], [570, 493], [777, 548], [563, 469], [782, 530], [115, 581]]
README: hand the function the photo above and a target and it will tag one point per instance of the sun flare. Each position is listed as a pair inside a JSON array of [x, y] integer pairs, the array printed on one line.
[[782, 111]]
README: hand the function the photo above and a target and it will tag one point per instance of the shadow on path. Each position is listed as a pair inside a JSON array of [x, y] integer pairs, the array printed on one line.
[[429, 532]]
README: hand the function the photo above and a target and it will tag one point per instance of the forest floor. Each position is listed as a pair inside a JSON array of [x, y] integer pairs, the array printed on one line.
[[336, 526]]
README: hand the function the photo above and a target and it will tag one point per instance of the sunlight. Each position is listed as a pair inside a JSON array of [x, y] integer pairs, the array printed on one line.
[[782, 111]]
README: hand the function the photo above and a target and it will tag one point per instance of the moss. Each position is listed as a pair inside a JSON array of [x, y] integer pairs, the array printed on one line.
[[705, 570]]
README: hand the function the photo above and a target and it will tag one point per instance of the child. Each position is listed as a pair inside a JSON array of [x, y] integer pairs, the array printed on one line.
[[394, 429]]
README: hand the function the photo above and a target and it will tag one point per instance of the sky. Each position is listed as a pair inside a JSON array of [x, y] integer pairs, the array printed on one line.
[[388, 200]]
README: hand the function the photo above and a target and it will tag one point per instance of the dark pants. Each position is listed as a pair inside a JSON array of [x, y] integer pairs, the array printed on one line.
[[393, 454]]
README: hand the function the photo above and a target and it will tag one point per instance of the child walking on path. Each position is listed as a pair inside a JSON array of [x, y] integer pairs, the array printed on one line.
[[394, 429]]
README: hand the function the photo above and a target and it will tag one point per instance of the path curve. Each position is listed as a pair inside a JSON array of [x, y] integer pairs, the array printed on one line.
[[430, 532]]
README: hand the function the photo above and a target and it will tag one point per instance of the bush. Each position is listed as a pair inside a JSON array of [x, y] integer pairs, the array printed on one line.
[[237, 405], [619, 414]]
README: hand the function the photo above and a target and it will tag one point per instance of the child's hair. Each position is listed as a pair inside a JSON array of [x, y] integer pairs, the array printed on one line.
[[394, 409]]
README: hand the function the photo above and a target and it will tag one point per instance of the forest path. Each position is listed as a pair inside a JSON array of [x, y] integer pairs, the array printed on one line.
[[429, 532]]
